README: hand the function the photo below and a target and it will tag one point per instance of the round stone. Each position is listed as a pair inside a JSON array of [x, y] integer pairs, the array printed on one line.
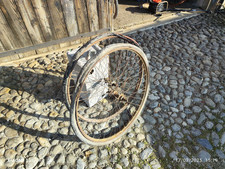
[[176, 127], [204, 156], [173, 155], [217, 98], [61, 159], [10, 132], [196, 109], [201, 118], [124, 151], [126, 144], [70, 159], [205, 143], [31, 162], [134, 159], [187, 102], [56, 149], [220, 154], [209, 125], [13, 142], [80, 164], [190, 121], [125, 162], [146, 153], [92, 157], [140, 137], [103, 153], [118, 166], [10, 154], [92, 164], [42, 152], [210, 103], [223, 139], [162, 152]]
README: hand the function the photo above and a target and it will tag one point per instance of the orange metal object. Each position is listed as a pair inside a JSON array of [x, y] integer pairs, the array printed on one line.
[[157, 1]]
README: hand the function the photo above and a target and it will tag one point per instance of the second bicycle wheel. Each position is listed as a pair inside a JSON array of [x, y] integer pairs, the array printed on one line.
[[110, 94], [69, 81]]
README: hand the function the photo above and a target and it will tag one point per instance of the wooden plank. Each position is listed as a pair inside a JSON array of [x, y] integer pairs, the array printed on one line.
[[110, 14], [106, 10], [8, 39], [6, 35], [53, 42], [31, 22], [15, 22], [102, 14], [82, 17], [43, 16], [1, 47], [57, 18], [29, 18], [27, 54], [40, 8], [59, 25], [92, 15], [70, 17]]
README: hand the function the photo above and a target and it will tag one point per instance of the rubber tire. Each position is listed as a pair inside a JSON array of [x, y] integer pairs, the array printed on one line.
[[78, 54], [85, 70]]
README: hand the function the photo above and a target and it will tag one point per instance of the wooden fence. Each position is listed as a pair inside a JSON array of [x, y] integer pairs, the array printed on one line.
[[30, 22]]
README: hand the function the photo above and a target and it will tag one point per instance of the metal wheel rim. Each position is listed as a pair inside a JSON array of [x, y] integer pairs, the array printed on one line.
[[132, 119]]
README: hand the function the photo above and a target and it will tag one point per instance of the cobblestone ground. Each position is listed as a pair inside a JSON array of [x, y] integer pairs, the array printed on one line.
[[182, 125]]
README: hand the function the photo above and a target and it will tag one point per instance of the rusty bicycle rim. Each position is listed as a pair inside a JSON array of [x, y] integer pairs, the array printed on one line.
[[75, 117], [85, 49]]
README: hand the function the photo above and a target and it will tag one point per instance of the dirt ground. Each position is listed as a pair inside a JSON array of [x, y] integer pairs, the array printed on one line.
[[130, 15]]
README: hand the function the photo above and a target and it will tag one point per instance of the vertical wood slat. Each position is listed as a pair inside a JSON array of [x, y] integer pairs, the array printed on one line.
[[31, 23], [92, 15], [43, 16], [110, 14], [82, 17], [102, 14], [17, 26], [57, 18], [15, 21], [106, 9], [70, 17], [6, 35], [40, 8], [59, 25], [1, 47]]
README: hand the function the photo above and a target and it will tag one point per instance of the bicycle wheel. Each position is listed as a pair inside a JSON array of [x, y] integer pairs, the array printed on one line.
[[110, 94], [69, 81]]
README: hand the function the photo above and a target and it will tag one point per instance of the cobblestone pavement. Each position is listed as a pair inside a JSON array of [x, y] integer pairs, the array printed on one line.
[[182, 125]]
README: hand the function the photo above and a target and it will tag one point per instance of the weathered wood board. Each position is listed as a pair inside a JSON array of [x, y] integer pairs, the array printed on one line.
[[26, 23]]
